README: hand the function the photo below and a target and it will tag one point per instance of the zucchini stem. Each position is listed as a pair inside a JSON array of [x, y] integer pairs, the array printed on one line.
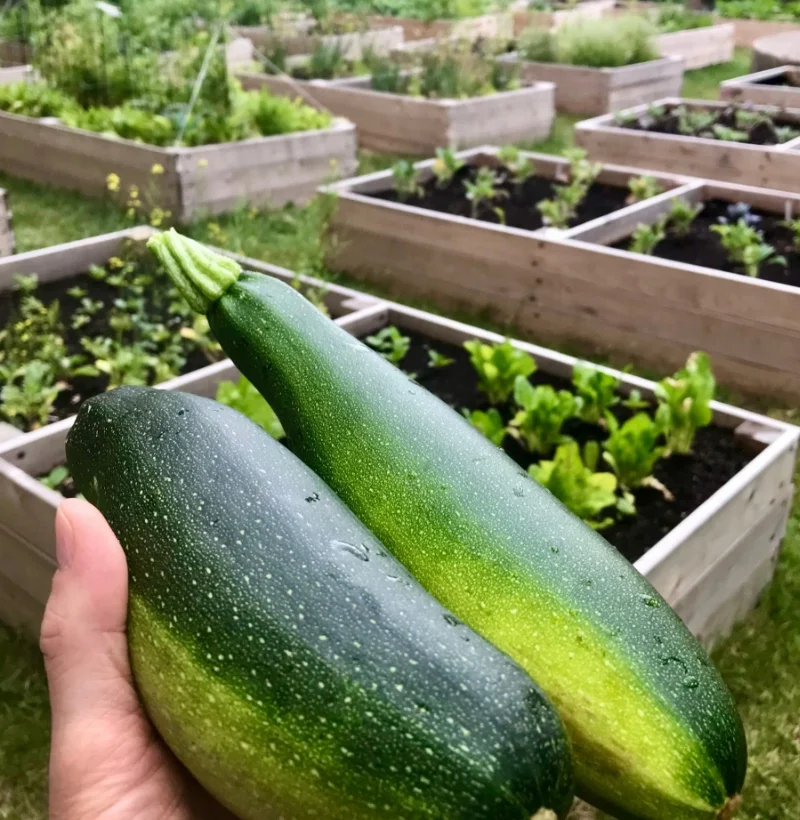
[[200, 274]]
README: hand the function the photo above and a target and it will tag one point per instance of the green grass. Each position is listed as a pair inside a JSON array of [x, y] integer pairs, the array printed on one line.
[[703, 84], [760, 662]]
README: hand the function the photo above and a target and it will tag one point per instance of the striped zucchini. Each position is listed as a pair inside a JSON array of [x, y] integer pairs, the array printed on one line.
[[655, 732], [288, 660]]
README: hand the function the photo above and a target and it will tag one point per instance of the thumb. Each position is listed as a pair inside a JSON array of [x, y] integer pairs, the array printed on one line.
[[83, 630]]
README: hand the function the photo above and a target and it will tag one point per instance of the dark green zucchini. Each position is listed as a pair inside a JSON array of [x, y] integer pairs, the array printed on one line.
[[288, 660], [655, 732]]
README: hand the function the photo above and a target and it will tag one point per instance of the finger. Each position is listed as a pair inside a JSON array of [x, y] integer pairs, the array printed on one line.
[[83, 631]]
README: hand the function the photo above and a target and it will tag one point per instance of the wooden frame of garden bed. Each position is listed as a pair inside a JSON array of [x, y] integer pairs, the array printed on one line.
[[7, 241], [565, 287], [210, 178], [398, 123], [352, 44], [562, 14], [699, 47], [762, 166], [27, 508], [583, 90], [750, 87], [486, 26], [711, 568]]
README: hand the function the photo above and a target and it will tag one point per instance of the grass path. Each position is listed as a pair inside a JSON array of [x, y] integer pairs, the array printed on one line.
[[760, 662]]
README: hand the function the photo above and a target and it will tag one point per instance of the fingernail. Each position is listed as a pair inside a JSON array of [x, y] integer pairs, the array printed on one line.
[[64, 540]]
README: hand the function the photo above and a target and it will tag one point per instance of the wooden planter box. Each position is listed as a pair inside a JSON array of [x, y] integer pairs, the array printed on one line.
[[776, 50], [565, 287], [7, 242], [756, 88], [748, 31], [699, 47], [211, 178], [352, 44], [561, 13], [774, 166], [487, 26], [397, 123], [582, 90], [711, 568], [27, 508]]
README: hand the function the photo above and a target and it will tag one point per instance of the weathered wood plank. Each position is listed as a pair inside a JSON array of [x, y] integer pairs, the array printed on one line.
[[699, 47], [753, 88]]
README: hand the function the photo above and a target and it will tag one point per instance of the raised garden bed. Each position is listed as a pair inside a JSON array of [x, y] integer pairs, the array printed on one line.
[[748, 31], [352, 44], [777, 50], [403, 124], [484, 27], [27, 507], [210, 178], [775, 86], [7, 241], [568, 287], [699, 47], [620, 138], [583, 90], [710, 560]]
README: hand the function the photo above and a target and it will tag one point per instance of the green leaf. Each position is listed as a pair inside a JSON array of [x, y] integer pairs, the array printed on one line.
[[498, 366], [542, 415], [242, 396], [489, 423], [631, 449]]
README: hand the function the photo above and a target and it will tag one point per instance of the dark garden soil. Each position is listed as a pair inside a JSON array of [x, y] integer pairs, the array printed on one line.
[[787, 80], [666, 119], [156, 303], [702, 246], [691, 479], [518, 203]]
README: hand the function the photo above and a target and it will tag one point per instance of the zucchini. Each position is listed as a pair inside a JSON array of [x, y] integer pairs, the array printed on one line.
[[289, 661], [654, 730]]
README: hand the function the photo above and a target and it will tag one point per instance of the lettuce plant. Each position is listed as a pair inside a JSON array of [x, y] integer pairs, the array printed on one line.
[[575, 484], [490, 423], [390, 343], [498, 367], [242, 396], [31, 393], [445, 166], [643, 187], [437, 359], [520, 167], [483, 189], [684, 403], [404, 175], [632, 451], [645, 238], [681, 215], [597, 391], [746, 246], [543, 411]]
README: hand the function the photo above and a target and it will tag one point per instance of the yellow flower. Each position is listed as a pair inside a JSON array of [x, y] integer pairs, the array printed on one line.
[[131, 213], [115, 262], [157, 169], [134, 192], [156, 217], [202, 163], [112, 181]]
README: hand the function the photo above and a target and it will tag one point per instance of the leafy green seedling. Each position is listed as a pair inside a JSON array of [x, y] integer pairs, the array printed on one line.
[[575, 484], [635, 401], [597, 391], [794, 226], [242, 396], [390, 343], [498, 367], [519, 166], [483, 189], [543, 411], [645, 238], [684, 403], [404, 175], [632, 451], [445, 166], [722, 132], [643, 187], [681, 215], [29, 397], [55, 477], [437, 359], [746, 246], [490, 423]]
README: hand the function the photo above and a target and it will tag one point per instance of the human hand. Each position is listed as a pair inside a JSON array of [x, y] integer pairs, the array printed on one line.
[[106, 760]]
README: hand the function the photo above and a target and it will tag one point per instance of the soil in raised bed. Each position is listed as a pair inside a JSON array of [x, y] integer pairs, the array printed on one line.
[[519, 205], [691, 479], [787, 80], [665, 119], [702, 246], [80, 388]]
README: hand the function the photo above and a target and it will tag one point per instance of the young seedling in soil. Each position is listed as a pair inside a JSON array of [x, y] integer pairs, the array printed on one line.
[[746, 246], [596, 390], [561, 210], [631, 450], [681, 216], [645, 238], [643, 187], [543, 411], [498, 366], [490, 423], [445, 166], [520, 167], [684, 403], [483, 189], [404, 175], [794, 226], [437, 359], [390, 343]]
